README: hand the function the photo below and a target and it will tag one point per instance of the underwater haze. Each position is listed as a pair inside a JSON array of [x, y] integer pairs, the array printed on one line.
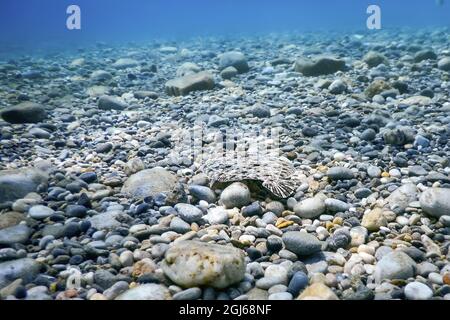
[[225, 150], [35, 22]]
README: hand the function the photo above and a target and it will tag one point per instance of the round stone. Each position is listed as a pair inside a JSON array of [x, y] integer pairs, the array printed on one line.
[[418, 291], [40, 212], [235, 195]]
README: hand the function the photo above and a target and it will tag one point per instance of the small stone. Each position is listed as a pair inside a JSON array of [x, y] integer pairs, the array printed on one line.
[[436, 202], [318, 291], [188, 212], [394, 265], [298, 282], [340, 173], [25, 112], [301, 243], [374, 220], [235, 195], [76, 211], [111, 103], [418, 291], [40, 212], [191, 82], [188, 294], [202, 193], [149, 291], [310, 208], [222, 266], [233, 59]]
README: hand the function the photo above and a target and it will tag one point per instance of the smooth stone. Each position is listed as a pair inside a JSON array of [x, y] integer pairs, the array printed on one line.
[[188, 212], [16, 234], [26, 269], [298, 282], [340, 173], [202, 193], [189, 83], [399, 200], [436, 202], [25, 112], [111, 103], [16, 184], [216, 215], [335, 205], [150, 291], [281, 296], [418, 291], [221, 266], [374, 220], [319, 66], [235, 195], [310, 208], [394, 265], [40, 212], [301, 243], [188, 294], [233, 59], [151, 182], [318, 291]]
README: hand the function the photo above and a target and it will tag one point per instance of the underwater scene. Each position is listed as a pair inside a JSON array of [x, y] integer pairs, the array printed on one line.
[[224, 150]]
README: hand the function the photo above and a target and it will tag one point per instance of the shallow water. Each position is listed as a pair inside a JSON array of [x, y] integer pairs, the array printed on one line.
[[224, 150]]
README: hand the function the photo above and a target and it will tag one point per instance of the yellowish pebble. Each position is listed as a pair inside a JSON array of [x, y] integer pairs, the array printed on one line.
[[284, 224], [385, 174], [338, 220]]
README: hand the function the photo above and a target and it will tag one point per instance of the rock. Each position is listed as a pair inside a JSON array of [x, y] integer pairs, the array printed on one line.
[[179, 225], [150, 291], [111, 103], [253, 209], [319, 66], [145, 94], [340, 173], [16, 234], [100, 76], [401, 198], [233, 59], [105, 221], [188, 294], [125, 63], [150, 182], [298, 282], [337, 87], [335, 205], [426, 54], [318, 291], [40, 212], [188, 212], [235, 195], [373, 59], [25, 112], [377, 87], [221, 266], [10, 219], [75, 210], [16, 184], [444, 64], [202, 193], [26, 269], [394, 265], [191, 82], [436, 202], [310, 208], [260, 111], [418, 291], [187, 68], [229, 73], [217, 215], [301, 243], [39, 133], [373, 220]]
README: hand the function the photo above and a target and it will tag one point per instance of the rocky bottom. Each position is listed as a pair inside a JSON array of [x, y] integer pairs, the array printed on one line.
[[100, 201]]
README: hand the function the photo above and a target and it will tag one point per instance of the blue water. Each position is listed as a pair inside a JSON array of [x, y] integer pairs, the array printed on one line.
[[38, 22]]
